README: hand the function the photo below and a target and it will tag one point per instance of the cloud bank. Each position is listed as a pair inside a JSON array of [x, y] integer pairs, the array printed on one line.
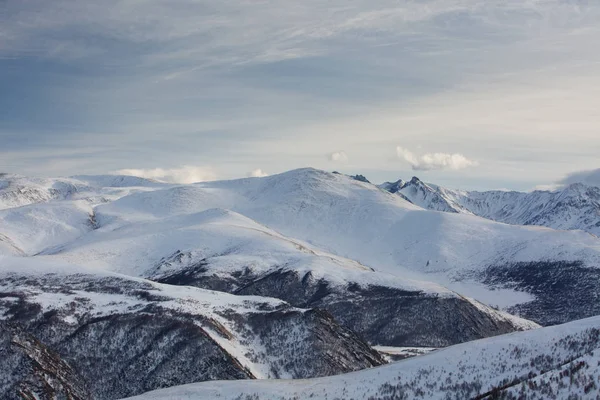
[[435, 161], [184, 174]]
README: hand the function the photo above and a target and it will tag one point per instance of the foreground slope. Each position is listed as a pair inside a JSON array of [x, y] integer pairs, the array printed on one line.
[[125, 336], [496, 263], [222, 250], [559, 362]]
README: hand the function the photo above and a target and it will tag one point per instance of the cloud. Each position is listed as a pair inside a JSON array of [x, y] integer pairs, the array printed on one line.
[[435, 161], [257, 173], [548, 188], [184, 174], [589, 177], [338, 156]]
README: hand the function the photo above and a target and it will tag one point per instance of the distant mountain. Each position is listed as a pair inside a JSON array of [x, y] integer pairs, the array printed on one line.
[[393, 187], [576, 206], [560, 362], [16, 190]]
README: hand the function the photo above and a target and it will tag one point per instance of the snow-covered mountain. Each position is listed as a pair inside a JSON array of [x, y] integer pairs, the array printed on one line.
[[295, 275], [560, 362], [356, 220], [510, 266], [576, 206]]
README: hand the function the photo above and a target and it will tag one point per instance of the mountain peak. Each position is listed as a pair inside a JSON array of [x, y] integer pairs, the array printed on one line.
[[393, 187], [415, 181]]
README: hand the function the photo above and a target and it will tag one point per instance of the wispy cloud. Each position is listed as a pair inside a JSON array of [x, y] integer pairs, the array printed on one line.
[[184, 174], [435, 161]]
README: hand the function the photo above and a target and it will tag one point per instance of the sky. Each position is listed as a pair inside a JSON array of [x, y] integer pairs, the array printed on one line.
[[471, 94]]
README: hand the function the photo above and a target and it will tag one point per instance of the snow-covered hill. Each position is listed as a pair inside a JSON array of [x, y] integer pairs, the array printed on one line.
[[560, 362], [125, 335], [576, 206], [223, 250]]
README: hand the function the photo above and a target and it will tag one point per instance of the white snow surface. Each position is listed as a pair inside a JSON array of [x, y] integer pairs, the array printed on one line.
[[514, 360], [33, 228], [226, 240]]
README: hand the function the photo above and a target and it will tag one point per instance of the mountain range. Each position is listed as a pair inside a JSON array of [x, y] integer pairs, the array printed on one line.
[[575, 206], [112, 286]]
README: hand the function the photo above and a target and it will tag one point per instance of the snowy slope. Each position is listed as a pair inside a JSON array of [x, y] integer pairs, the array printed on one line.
[[548, 363], [117, 181], [225, 239], [576, 206], [104, 323], [222, 250], [33, 228]]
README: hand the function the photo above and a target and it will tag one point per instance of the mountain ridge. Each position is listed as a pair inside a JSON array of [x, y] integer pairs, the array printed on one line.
[[576, 206]]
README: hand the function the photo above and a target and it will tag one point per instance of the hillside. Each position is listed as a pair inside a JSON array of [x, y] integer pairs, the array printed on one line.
[[125, 335], [559, 362], [222, 250]]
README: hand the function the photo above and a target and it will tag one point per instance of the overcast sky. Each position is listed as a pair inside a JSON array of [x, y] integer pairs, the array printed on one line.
[[465, 93]]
